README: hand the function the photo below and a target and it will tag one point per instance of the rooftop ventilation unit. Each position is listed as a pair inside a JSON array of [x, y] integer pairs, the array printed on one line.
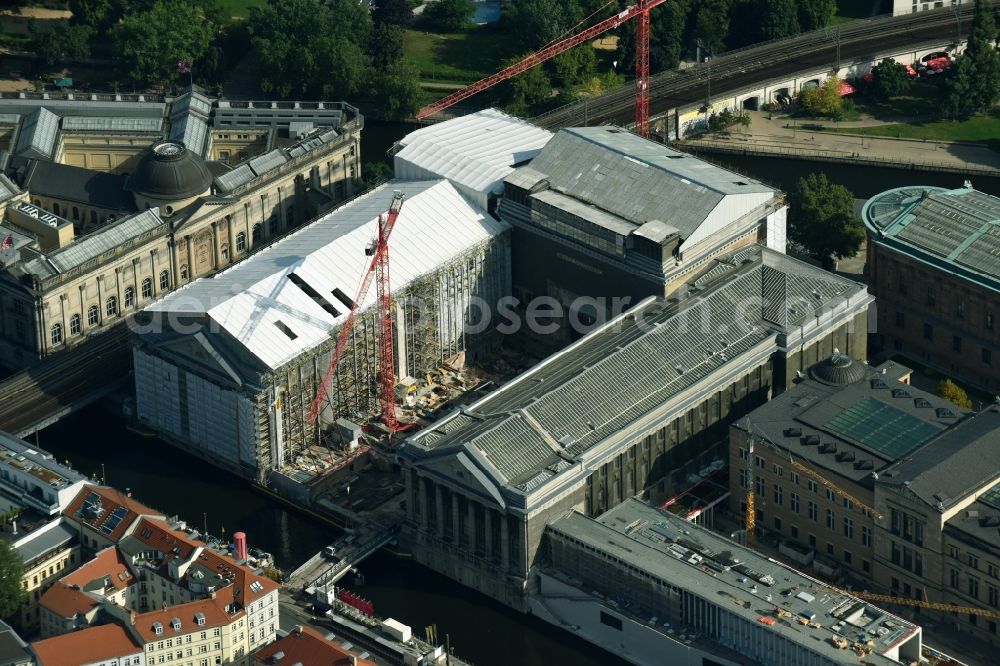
[[828, 447], [922, 403], [793, 432], [810, 440], [845, 456], [864, 464], [944, 413], [900, 393]]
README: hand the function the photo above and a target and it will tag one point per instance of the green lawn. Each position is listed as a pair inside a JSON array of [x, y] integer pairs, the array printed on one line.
[[979, 129], [851, 10], [241, 8], [920, 101], [461, 57]]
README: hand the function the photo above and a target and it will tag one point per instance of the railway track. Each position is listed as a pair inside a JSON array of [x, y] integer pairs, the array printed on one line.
[[64, 382], [742, 68]]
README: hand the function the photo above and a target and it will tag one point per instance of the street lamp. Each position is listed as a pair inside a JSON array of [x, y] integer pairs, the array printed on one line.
[[956, 8], [702, 44]]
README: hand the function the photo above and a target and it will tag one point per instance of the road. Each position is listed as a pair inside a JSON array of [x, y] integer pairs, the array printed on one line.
[[742, 68]]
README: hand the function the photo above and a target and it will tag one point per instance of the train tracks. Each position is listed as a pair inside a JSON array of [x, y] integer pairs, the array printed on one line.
[[40, 395], [739, 69]]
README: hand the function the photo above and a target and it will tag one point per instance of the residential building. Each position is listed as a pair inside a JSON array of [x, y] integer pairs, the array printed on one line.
[[932, 264], [34, 490], [254, 341], [475, 152], [601, 214], [655, 588], [181, 600], [635, 406], [914, 6], [106, 645], [113, 201], [13, 650], [305, 645], [840, 427]]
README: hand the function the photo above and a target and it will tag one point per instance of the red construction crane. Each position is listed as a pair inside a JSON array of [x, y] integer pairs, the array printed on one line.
[[378, 250], [538, 57]]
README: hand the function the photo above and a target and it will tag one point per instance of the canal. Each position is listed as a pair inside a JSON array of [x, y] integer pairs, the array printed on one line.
[[176, 483]]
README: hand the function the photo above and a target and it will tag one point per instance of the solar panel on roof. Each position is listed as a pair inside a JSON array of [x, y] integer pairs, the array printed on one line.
[[992, 496], [881, 427]]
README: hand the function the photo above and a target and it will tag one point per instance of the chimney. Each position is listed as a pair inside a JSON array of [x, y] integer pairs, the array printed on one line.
[[297, 630], [240, 542], [13, 524]]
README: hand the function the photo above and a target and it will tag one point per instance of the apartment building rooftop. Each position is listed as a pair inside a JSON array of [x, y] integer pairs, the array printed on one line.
[[723, 573], [957, 230], [107, 510], [93, 645], [304, 645], [16, 454]]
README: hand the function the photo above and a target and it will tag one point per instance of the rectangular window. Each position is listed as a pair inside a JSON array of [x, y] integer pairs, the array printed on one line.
[[928, 332], [611, 621], [866, 537], [953, 552], [812, 486], [848, 557], [953, 575], [973, 587], [973, 561], [778, 494], [831, 519], [866, 566], [794, 530], [994, 596], [895, 520], [896, 555], [813, 510], [987, 356], [793, 502], [777, 469], [848, 528], [760, 486], [793, 477], [777, 524]]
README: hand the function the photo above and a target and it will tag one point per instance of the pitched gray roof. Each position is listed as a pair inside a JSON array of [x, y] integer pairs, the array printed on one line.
[[595, 388], [112, 124], [93, 245], [37, 136], [636, 179], [954, 464], [66, 182]]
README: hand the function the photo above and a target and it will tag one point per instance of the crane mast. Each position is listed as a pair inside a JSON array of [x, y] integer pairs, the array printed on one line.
[[378, 250], [641, 9]]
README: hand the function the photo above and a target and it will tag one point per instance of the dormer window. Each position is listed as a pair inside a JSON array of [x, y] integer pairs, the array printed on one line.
[[200, 619], [157, 628]]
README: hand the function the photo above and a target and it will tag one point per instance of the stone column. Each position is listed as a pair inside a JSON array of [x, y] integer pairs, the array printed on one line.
[[215, 246], [424, 509], [504, 543], [470, 525], [100, 300], [154, 272], [118, 291], [488, 532], [231, 237], [439, 509], [83, 307], [455, 537], [190, 258]]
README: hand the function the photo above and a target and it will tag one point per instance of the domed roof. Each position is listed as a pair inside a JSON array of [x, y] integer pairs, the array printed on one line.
[[170, 171], [838, 370]]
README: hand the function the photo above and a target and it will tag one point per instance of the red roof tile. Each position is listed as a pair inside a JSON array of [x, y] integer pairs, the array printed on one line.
[[66, 601], [308, 647], [90, 645], [187, 613], [104, 521], [107, 565]]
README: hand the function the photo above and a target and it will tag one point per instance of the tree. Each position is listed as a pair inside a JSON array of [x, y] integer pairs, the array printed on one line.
[[398, 90], [148, 45], [534, 23], [392, 12], [982, 32], [814, 14], [12, 594], [821, 218], [449, 15], [712, 24], [61, 44], [386, 46], [823, 100], [960, 91], [526, 89], [777, 19], [889, 79], [303, 50], [975, 87], [575, 66], [953, 393]]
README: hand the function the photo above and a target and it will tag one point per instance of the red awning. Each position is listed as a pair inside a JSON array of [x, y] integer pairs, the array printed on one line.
[[846, 89]]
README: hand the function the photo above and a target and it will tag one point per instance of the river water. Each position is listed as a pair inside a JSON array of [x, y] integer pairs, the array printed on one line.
[[481, 630]]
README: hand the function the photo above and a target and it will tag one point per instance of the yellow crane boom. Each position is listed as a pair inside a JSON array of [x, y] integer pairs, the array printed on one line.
[[832, 486], [933, 605]]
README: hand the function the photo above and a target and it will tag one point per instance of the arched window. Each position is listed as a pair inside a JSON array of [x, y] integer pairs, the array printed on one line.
[[56, 334], [184, 272], [225, 252], [76, 213], [93, 217], [273, 224], [129, 297], [147, 288], [164, 280], [55, 208], [111, 306], [241, 242], [74, 325], [92, 315], [258, 232]]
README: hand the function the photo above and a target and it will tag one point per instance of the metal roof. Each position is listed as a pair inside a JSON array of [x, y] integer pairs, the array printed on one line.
[[475, 151], [9, 118], [958, 230], [37, 137], [745, 584], [595, 388], [84, 107], [640, 180], [191, 102], [267, 161], [235, 178], [112, 124], [257, 304], [43, 542], [93, 245], [191, 131]]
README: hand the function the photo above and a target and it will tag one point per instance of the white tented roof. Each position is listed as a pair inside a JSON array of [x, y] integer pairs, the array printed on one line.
[[475, 152], [275, 319]]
